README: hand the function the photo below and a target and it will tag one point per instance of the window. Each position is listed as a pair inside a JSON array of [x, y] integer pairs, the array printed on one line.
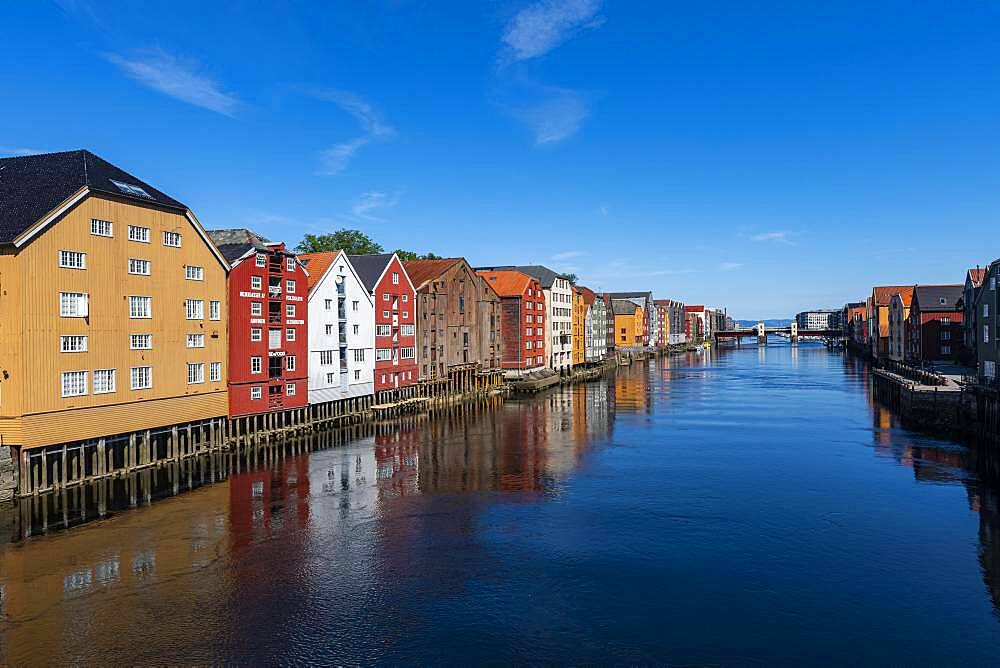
[[290, 287], [946, 321], [256, 282], [194, 309], [385, 314], [255, 308], [215, 371], [130, 189], [383, 330], [354, 306], [407, 353], [406, 330], [214, 310], [261, 260], [73, 304], [290, 363], [527, 345], [290, 264], [989, 369], [74, 383], [72, 260], [104, 381], [986, 310], [986, 333], [255, 392], [329, 379], [406, 314], [255, 364], [138, 267], [136, 233], [196, 373], [140, 307], [325, 357], [385, 296], [328, 304], [172, 239], [329, 330], [101, 228], [141, 377], [945, 335], [289, 310], [357, 374], [406, 297], [289, 335], [290, 389], [195, 340], [140, 341], [72, 344], [527, 331], [192, 273], [395, 278], [383, 354], [355, 329], [359, 354]]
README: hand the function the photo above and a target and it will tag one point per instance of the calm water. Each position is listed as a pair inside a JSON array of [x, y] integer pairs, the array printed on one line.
[[751, 508]]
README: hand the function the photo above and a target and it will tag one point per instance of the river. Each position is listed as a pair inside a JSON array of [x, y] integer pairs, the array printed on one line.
[[750, 506]]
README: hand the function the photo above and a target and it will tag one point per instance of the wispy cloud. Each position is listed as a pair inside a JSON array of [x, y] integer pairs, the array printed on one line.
[[372, 201], [603, 211], [555, 115], [178, 79], [335, 159], [567, 255], [14, 151], [730, 266], [777, 237], [544, 25]]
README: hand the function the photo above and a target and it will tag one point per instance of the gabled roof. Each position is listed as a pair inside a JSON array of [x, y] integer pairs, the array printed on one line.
[[544, 275], [32, 186], [631, 295], [976, 275], [235, 243], [906, 297], [939, 297], [589, 296], [507, 283], [370, 267], [883, 293], [317, 264], [624, 307], [425, 271], [694, 308]]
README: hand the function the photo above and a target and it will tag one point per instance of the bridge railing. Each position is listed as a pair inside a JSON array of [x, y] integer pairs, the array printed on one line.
[[922, 376]]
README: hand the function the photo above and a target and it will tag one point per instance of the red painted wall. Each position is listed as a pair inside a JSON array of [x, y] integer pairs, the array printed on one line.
[[393, 313], [514, 329], [242, 296]]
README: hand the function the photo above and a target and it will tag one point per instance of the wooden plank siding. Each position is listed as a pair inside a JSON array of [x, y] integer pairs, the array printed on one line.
[[32, 410]]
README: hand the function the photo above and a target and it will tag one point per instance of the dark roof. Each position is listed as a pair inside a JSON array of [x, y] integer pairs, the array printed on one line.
[[544, 275], [630, 295], [370, 267], [938, 297], [32, 186], [234, 244], [623, 307]]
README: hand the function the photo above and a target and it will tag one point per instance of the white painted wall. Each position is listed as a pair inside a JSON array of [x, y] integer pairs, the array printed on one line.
[[324, 304], [559, 300]]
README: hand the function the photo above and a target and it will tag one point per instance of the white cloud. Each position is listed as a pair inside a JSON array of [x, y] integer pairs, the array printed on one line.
[[371, 201], [730, 266], [544, 25], [567, 255], [178, 79], [558, 115], [335, 158], [16, 152], [777, 237], [603, 210]]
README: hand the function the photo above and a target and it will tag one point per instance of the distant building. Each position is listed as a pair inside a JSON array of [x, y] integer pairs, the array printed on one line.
[[523, 317], [579, 327], [987, 335], [694, 323], [643, 300], [675, 326], [595, 326], [973, 284], [899, 315], [855, 326], [878, 317], [630, 324], [935, 323], [818, 320]]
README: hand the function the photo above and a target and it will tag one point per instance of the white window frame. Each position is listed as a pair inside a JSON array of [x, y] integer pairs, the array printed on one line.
[[383, 354], [194, 273], [289, 362], [214, 310], [383, 330], [408, 353], [290, 264], [74, 304], [261, 260], [256, 364], [110, 378], [395, 278], [406, 330], [170, 237], [136, 377], [215, 372], [290, 334], [256, 283], [138, 233], [72, 259], [289, 389], [139, 267], [289, 310], [135, 339], [196, 340], [79, 383], [256, 393], [194, 309], [256, 334], [256, 309], [199, 373], [135, 313], [98, 229], [290, 286], [67, 343]]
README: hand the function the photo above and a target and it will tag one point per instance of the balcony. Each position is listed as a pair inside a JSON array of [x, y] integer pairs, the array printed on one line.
[[274, 319], [274, 291]]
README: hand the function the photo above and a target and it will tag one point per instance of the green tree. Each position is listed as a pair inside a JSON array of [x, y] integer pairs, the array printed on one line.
[[572, 278], [352, 242], [406, 255]]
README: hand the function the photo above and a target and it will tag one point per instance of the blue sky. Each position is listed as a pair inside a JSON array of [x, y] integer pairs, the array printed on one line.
[[767, 157]]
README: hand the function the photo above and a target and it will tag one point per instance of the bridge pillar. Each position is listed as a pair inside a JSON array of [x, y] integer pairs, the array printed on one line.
[[795, 332], [761, 334]]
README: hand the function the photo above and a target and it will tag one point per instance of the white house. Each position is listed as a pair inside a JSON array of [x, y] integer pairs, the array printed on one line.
[[341, 330]]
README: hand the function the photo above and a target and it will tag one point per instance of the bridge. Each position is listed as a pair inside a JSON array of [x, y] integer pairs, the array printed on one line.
[[761, 333]]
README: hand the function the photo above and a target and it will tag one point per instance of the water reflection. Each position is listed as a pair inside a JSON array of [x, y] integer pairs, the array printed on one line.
[[730, 484]]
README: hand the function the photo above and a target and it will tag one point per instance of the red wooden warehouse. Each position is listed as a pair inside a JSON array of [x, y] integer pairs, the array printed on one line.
[[522, 319], [268, 338], [395, 322]]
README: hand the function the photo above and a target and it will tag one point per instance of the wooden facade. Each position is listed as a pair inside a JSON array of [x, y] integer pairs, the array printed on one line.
[[33, 409], [522, 315]]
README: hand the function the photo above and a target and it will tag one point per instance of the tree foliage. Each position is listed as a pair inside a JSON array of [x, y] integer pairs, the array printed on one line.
[[572, 278], [352, 242], [406, 255]]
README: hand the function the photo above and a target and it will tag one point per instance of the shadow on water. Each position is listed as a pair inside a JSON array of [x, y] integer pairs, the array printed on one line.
[[410, 540]]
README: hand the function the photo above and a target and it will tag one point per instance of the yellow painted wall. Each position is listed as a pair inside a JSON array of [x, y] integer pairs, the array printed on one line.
[[579, 318], [32, 410]]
